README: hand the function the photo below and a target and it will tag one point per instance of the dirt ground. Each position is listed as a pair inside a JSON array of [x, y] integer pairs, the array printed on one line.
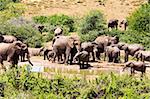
[[119, 9], [95, 69]]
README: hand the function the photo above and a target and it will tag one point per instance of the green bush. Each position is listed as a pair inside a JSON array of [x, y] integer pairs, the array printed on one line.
[[3, 3], [12, 10], [112, 86], [91, 25], [24, 32], [140, 19], [131, 36], [64, 21]]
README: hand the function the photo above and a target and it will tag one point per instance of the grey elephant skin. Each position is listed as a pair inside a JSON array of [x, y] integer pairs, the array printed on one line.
[[7, 38], [113, 54], [58, 31], [136, 66], [64, 45], [130, 49], [10, 52], [104, 41], [90, 47], [82, 56], [142, 55], [124, 23], [113, 23]]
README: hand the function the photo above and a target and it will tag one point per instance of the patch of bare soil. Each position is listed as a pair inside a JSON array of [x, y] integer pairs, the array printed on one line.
[[119, 9]]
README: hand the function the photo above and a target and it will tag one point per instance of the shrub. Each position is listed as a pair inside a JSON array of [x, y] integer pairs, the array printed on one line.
[[64, 21], [140, 19], [104, 86], [24, 32], [91, 25], [131, 36], [12, 10]]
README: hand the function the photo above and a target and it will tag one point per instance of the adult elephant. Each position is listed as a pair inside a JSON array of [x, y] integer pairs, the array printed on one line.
[[142, 55], [63, 45], [10, 52], [58, 31], [131, 49], [123, 23], [90, 47], [113, 54], [9, 38], [113, 23], [104, 41]]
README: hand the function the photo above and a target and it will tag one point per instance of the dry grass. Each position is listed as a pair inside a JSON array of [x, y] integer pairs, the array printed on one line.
[[119, 9]]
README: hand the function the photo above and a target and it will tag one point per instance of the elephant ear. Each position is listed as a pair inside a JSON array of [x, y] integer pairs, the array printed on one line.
[[18, 45], [71, 42]]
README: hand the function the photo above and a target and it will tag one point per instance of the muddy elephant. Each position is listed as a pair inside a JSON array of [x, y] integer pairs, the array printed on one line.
[[10, 52], [64, 45], [131, 49], [138, 66], [83, 57], [58, 31], [104, 41], [90, 47], [9, 38], [113, 23], [123, 23], [113, 54], [142, 55]]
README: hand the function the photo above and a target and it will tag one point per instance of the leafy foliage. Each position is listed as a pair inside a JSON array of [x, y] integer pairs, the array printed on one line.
[[26, 84], [9, 10], [61, 20], [140, 19], [23, 31], [91, 25], [131, 36]]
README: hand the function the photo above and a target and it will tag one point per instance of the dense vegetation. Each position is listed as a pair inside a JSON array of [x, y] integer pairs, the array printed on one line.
[[140, 19], [112, 86]]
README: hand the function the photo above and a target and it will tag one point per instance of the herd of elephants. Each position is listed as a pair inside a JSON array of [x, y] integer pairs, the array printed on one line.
[[69, 50]]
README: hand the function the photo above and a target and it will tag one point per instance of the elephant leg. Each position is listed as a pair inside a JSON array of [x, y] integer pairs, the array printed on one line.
[[98, 55], [126, 56], [54, 58], [2, 65], [67, 55], [93, 57]]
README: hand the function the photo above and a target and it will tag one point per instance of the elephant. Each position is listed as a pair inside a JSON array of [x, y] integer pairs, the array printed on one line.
[[27, 51], [58, 31], [64, 45], [7, 38], [113, 23], [113, 54], [124, 23], [10, 52], [131, 49], [82, 56], [138, 66], [35, 51], [142, 55], [90, 47], [104, 41], [40, 28]]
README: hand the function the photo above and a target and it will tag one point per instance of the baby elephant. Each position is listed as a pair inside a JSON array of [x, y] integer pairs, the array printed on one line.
[[138, 66], [82, 56]]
